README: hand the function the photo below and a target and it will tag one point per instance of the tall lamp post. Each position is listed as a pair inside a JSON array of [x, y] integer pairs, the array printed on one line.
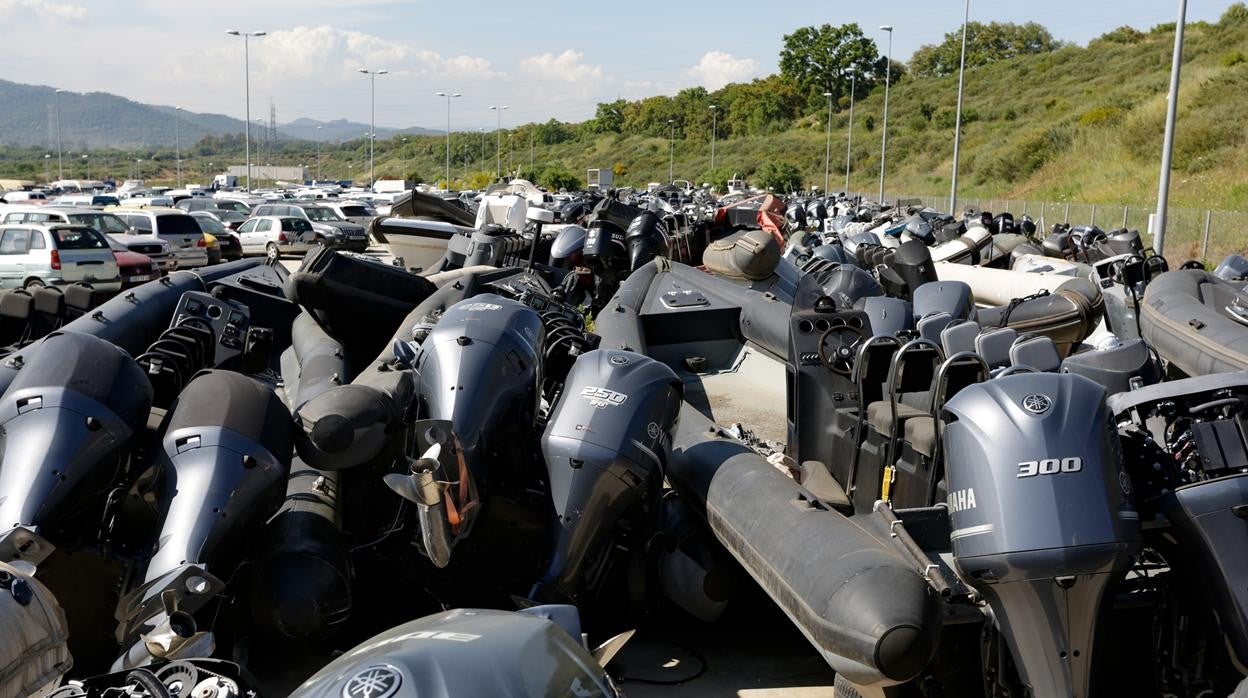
[[318, 153], [888, 79], [714, 124], [449, 96], [60, 167], [671, 151], [86, 166], [827, 148], [1167, 147], [177, 143], [498, 150], [47, 174], [247, 91], [372, 120], [849, 136], [957, 122]]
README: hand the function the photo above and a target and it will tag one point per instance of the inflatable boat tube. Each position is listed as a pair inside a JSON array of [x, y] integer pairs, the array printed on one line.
[[1000, 286], [1186, 316], [313, 363], [864, 608], [1067, 316]]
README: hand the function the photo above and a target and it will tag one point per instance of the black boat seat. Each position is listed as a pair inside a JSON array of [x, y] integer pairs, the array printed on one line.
[[880, 415], [994, 346], [16, 308], [1038, 352], [959, 337], [932, 325], [79, 299], [920, 433]]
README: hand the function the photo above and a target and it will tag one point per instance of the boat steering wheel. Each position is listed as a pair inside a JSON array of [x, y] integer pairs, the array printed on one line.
[[838, 346]]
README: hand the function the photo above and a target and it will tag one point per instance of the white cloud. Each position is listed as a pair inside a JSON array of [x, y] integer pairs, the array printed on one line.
[[717, 69], [15, 10], [567, 67]]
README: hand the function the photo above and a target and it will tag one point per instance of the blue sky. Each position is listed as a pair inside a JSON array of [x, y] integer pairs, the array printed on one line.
[[556, 58]]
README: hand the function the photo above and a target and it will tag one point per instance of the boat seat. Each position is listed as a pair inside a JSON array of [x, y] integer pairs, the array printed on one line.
[[49, 312], [1115, 368], [1038, 352], [920, 433], [880, 415], [79, 299], [994, 346], [959, 337], [932, 325], [16, 308]]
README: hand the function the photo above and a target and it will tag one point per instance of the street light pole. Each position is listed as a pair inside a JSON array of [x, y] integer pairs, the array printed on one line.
[[1167, 147], [449, 96], [957, 122], [498, 148], [60, 167], [888, 78], [671, 151], [318, 154], [86, 164], [247, 91], [849, 139], [372, 121], [177, 143], [827, 148], [714, 123]]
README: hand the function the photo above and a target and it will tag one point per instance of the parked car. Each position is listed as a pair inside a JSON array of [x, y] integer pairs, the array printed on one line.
[[229, 219], [355, 211], [203, 203], [229, 248], [75, 200], [330, 228], [173, 226], [35, 198], [274, 236], [111, 225], [41, 254], [134, 268]]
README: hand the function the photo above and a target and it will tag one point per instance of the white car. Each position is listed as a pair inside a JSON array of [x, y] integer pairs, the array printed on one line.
[[274, 236], [34, 255], [111, 225], [172, 225]]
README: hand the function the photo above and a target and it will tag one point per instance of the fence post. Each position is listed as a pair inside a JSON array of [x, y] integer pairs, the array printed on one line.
[[1024, 207], [1204, 247], [1124, 217], [1093, 223]]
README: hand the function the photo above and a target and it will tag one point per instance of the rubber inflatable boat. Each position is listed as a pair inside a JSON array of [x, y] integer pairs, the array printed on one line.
[[1197, 321]]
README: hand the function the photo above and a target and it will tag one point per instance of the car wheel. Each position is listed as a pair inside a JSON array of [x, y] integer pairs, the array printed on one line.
[[33, 284], [271, 251]]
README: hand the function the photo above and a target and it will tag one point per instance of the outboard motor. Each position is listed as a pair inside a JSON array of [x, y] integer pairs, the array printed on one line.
[[1004, 224], [226, 450], [921, 230], [796, 215], [66, 420], [606, 449], [1027, 226], [605, 255], [1233, 268], [910, 267], [567, 251], [646, 238], [1041, 516], [480, 369], [817, 214]]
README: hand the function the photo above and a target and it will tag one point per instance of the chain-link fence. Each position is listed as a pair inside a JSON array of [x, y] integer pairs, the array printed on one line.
[[1191, 233]]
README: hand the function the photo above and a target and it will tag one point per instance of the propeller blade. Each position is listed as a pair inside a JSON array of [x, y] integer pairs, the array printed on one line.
[[432, 454], [404, 486]]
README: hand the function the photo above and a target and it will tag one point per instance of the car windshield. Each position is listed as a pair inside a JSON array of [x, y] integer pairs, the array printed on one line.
[[78, 239], [103, 222], [296, 225], [230, 205], [209, 225], [177, 225], [355, 211], [318, 213]]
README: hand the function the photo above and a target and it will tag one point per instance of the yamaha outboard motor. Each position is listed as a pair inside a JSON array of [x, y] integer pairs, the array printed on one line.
[[66, 421], [817, 214], [646, 238], [480, 369], [909, 268], [1233, 268], [472, 652], [1027, 226], [1041, 516], [795, 213], [606, 449], [225, 454]]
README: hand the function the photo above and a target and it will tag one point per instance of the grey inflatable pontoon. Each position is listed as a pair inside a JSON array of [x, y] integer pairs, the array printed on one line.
[[1197, 322]]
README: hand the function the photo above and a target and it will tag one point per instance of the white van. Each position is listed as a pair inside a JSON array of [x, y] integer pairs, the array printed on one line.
[[34, 255]]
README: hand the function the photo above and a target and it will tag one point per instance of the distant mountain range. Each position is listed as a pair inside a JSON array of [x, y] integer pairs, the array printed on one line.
[[101, 120]]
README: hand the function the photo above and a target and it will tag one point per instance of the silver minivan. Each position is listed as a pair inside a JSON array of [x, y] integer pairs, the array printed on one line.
[[172, 225], [33, 255]]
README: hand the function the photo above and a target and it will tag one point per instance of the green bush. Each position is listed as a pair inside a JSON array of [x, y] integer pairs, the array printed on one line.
[[1100, 116], [1233, 58], [779, 177]]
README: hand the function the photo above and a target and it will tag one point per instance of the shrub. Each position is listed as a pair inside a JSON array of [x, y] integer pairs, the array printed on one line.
[[780, 177], [1232, 59], [1235, 14], [1100, 116]]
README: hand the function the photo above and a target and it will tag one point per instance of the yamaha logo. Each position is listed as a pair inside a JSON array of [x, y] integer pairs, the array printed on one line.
[[377, 681], [619, 360], [1037, 404]]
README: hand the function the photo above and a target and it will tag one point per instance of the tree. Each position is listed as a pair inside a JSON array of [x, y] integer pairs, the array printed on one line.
[[556, 177], [610, 116], [779, 177], [985, 43], [817, 60]]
